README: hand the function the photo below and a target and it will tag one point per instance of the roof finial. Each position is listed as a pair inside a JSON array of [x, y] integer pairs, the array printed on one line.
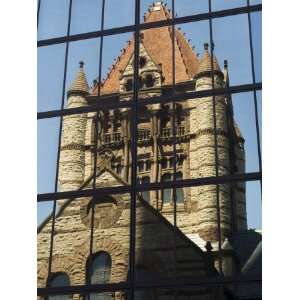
[[205, 46], [81, 64], [225, 63]]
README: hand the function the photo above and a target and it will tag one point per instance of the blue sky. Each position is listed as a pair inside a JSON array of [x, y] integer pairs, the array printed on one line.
[[231, 40]]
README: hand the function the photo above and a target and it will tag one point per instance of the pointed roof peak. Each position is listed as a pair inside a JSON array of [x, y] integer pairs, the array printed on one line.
[[80, 83], [186, 61], [205, 65], [157, 11]]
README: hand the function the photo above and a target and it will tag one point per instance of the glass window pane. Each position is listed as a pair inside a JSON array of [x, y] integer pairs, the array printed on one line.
[[231, 43], [50, 71], [119, 13], [53, 18], [86, 16], [47, 148], [190, 7], [225, 4], [162, 250], [256, 23]]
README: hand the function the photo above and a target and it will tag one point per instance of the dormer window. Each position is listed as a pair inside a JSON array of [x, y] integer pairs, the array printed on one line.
[[142, 62], [149, 80], [129, 85]]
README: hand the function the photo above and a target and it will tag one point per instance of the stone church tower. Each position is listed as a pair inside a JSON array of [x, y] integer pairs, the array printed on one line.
[[108, 135]]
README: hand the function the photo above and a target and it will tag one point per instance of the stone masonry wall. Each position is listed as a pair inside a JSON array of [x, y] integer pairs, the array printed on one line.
[[71, 163], [203, 164]]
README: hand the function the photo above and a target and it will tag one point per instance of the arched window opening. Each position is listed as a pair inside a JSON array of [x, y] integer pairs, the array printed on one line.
[[106, 123], [142, 61], [129, 85], [180, 160], [140, 83], [149, 80], [117, 121], [145, 194], [171, 163], [141, 166], [100, 268], [179, 191], [58, 280], [164, 163], [99, 273], [166, 197], [148, 165]]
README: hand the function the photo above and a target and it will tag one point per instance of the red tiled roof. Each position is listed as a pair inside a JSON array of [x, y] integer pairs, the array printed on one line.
[[158, 43]]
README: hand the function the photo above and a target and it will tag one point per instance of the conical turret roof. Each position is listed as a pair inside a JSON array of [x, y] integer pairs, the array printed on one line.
[[205, 65], [80, 83]]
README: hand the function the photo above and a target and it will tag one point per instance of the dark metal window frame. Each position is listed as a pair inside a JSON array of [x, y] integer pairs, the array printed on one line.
[[131, 285]]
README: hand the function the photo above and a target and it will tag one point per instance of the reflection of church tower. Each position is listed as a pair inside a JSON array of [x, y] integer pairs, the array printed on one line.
[[197, 206], [195, 158]]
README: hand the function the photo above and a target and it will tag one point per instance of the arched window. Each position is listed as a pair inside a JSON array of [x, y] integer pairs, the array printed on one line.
[[180, 160], [146, 194], [179, 191], [141, 166], [142, 61], [148, 165], [149, 81], [100, 268], [171, 163], [166, 197], [57, 280], [99, 273], [164, 163], [129, 85]]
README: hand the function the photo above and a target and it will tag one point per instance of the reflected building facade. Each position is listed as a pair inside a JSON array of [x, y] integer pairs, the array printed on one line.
[[207, 216]]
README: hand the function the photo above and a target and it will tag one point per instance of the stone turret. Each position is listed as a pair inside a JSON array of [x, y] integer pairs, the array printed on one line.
[[237, 164], [71, 164], [202, 151], [240, 187]]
